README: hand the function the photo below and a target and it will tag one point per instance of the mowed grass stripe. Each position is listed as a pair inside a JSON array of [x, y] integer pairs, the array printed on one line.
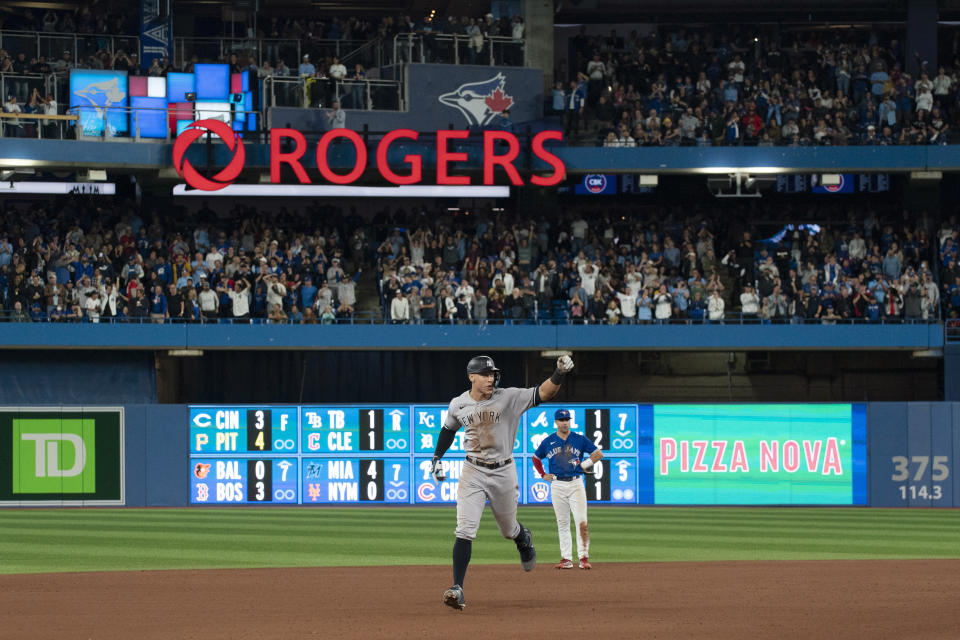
[[113, 539]]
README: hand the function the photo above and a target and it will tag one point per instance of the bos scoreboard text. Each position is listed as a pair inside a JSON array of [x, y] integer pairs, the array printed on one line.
[[653, 454]]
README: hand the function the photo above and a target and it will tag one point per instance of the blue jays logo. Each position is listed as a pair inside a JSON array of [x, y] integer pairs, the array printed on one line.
[[479, 102], [94, 94], [540, 491]]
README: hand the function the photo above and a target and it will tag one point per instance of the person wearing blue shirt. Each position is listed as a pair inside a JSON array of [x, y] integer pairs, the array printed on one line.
[[573, 102], [6, 252], [162, 271], [697, 307], [158, 305], [558, 98], [872, 311], [308, 293], [569, 455]]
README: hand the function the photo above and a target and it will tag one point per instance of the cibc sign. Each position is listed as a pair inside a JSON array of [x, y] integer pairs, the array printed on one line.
[[500, 149]]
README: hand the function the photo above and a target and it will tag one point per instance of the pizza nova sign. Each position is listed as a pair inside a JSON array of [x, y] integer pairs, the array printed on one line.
[[500, 149]]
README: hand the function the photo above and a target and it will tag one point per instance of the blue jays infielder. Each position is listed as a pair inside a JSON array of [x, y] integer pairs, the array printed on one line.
[[570, 455], [490, 417]]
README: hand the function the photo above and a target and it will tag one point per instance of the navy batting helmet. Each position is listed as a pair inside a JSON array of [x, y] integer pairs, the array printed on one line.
[[481, 364]]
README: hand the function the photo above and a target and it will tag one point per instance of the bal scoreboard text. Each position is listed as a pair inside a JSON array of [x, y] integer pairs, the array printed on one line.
[[653, 454]]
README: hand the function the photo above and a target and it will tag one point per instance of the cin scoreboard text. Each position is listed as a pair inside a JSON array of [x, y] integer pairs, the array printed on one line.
[[653, 454]]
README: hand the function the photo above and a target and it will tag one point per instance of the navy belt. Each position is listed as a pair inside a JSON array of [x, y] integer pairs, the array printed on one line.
[[567, 479], [488, 465]]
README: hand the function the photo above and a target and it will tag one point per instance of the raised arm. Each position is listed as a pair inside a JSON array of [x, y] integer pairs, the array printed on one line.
[[550, 386]]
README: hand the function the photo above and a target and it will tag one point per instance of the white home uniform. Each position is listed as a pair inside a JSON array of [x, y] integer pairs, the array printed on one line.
[[490, 430], [567, 492]]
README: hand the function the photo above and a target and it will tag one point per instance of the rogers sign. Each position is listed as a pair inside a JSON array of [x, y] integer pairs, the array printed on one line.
[[494, 155]]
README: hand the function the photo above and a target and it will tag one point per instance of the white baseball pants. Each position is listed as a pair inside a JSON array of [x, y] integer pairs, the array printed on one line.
[[571, 497]]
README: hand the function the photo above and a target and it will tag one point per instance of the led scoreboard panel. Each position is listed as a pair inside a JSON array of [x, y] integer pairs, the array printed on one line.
[[336, 429], [653, 454], [243, 429]]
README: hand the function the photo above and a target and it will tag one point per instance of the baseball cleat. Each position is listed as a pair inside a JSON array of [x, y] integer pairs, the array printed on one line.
[[564, 564], [528, 555], [585, 563], [453, 597]]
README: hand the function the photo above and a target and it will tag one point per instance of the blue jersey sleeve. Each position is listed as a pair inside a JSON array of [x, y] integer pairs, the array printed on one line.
[[541, 451]]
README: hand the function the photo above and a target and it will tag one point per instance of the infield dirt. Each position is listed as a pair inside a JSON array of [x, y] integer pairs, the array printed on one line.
[[717, 600]]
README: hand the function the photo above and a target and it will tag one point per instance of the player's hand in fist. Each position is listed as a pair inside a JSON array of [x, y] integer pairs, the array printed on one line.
[[437, 471], [564, 366]]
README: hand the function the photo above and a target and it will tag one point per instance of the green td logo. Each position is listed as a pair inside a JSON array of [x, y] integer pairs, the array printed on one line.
[[54, 456]]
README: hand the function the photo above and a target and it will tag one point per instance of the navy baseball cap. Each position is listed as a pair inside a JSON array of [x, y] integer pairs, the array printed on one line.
[[561, 414]]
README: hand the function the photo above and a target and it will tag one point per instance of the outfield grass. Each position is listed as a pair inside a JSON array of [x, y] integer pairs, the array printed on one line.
[[53, 540]]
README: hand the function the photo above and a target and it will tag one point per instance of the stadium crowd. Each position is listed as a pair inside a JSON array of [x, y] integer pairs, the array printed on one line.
[[580, 266], [720, 86], [292, 47]]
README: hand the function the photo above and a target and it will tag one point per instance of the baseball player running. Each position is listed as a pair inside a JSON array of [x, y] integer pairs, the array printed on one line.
[[489, 417], [565, 452]]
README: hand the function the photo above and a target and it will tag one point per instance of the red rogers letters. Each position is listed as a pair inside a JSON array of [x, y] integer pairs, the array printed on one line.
[[500, 148]]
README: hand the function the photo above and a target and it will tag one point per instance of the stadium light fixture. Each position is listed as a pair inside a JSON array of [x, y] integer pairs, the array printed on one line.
[[747, 185], [92, 175]]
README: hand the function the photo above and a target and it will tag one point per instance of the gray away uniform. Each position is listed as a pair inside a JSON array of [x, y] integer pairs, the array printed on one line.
[[490, 429]]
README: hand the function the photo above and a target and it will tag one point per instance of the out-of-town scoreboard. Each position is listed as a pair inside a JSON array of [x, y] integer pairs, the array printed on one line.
[[653, 454]]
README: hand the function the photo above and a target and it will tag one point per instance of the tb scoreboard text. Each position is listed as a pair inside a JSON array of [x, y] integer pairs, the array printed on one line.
[[653, 454]]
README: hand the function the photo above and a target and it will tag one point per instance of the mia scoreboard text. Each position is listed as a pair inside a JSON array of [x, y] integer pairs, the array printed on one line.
[[654, 454]]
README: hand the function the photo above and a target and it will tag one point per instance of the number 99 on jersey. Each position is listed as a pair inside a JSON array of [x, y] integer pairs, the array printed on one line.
[[348, 429]]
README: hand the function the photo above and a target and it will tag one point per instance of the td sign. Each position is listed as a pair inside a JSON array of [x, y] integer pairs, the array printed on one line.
[[51, 456], [67, 456]]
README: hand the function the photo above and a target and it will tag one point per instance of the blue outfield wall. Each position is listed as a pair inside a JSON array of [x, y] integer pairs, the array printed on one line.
[[521, 337], [156, 455], [911, 453]]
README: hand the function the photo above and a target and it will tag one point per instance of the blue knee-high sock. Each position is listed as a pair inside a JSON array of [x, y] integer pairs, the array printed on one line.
[[461, 558]]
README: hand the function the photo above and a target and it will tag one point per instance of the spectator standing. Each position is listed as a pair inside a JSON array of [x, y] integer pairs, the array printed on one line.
[[749, 302], [175, 303], [573, 105], [715, 307], [158, 305], [209, 301], [428, 306], [913, 303], [337, 117], [479, 304], [13, 126], [92, 306], [276, 290], [663, 302], [399, 309], [240, 299]]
